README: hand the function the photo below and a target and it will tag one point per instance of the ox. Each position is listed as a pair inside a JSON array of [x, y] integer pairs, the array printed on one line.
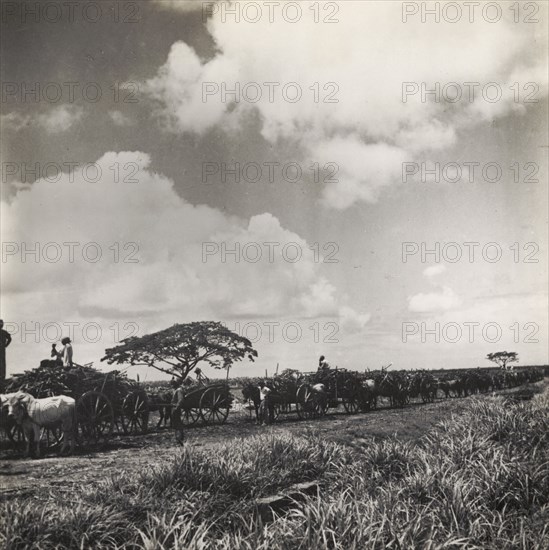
[[33, 414]]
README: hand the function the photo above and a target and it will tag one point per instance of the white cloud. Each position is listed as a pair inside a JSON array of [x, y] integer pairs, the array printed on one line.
[[431, 302], [182, 5], [352, 321], [120, 119], [61, 118], [434, 270], [14, 121], [363, 170], [54, 121], [172, 277], [431, 135], [434, 301], [367, 55]]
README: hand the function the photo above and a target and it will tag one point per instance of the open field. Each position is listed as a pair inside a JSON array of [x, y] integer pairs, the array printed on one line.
[[392, 478]]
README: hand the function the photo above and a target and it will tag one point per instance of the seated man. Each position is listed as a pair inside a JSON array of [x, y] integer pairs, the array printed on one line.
[[322, 363]]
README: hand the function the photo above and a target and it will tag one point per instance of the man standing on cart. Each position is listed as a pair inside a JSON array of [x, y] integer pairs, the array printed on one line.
[[65, 355]]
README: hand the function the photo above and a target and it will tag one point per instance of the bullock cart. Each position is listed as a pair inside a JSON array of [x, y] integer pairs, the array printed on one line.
[[345, 388], [105, 402], [208, 404], [291, 393]]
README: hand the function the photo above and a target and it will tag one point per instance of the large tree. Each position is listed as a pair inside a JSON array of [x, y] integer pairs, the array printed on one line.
[[179, 349], [502, 358]]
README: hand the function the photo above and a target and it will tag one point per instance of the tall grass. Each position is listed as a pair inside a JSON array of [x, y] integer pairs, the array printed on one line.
[[479, 480]]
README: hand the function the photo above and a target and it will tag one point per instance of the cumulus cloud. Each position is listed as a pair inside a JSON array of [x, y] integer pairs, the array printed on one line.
[[350, 76], [363, 170], [352, 321], [56, 120], [61, 118], [120, 119], [434, 270], [159, 255], [14, 121], [434, 301]]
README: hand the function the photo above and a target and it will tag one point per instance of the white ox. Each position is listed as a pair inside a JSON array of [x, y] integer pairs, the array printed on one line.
[[4, 398], [33, 414]]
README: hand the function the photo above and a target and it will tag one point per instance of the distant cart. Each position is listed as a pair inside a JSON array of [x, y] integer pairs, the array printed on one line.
[[344, 387], [289, 396]]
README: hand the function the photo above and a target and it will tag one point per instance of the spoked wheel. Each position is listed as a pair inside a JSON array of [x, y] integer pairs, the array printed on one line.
[[310, 404], [52, 437], [351, 403], [95, 418], [214, 406], [135, 413], [366, 401], [190, 416]]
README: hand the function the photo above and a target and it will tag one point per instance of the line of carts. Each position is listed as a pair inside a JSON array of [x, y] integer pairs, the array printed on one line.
[[115, 406]]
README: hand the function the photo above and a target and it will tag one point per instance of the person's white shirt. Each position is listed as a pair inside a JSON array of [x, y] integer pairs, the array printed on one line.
[[264, 392], [66, 355]]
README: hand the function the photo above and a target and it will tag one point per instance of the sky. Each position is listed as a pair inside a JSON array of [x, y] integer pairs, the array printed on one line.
[[363, 180]]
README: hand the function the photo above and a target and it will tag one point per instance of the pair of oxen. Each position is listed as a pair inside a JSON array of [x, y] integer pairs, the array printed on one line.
[[32, 415]]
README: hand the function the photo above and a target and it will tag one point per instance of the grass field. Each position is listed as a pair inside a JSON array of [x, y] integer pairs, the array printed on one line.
[[470, 473]]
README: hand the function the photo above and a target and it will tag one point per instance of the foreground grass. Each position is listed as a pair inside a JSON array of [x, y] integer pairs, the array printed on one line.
[[480, 480]]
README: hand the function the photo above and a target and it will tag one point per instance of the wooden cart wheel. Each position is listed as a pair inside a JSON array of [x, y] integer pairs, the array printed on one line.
[[95, 418], [135, 413], [365, 400], [52, 437], [214, 406], [184, 417], [309, 403], [351, 403], [190, 416]]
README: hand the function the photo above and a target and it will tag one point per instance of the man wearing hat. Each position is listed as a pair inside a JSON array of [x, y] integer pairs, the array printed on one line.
[[5, 341], [65, 355]]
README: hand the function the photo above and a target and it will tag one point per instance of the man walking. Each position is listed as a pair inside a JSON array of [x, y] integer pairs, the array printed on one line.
[[5, 341]]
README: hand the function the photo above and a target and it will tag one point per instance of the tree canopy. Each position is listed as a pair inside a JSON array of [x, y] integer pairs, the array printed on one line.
[[179, 349], [502, 358]]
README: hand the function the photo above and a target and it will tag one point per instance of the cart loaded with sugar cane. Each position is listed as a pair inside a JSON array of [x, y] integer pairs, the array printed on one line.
[[291, 393], [200, 401], [106, 403]]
